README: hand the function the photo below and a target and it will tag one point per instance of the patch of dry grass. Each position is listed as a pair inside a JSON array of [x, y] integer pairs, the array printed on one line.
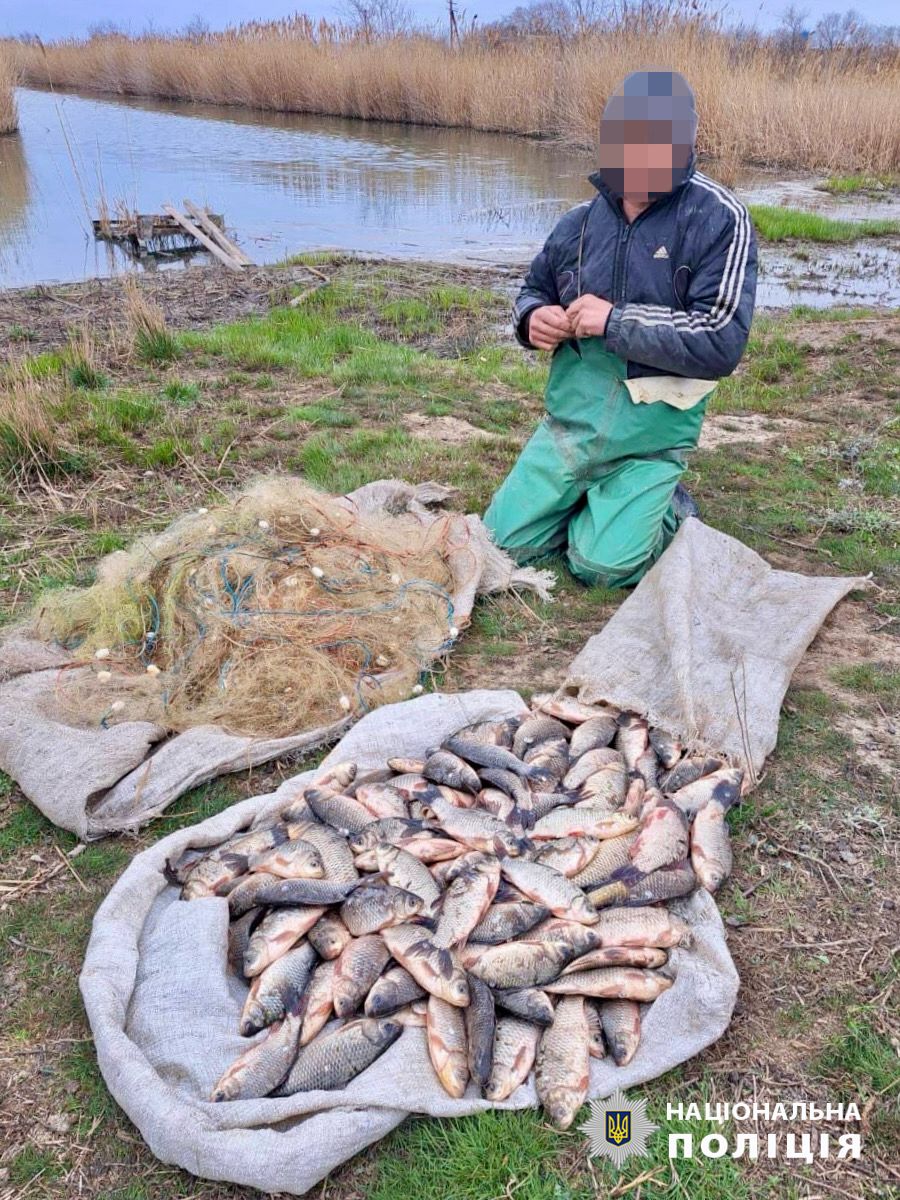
[[146, 326], [28, 436], [815, 110]]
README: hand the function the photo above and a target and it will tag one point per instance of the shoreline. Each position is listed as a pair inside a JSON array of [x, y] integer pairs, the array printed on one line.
[[41, 316], [196, 297]]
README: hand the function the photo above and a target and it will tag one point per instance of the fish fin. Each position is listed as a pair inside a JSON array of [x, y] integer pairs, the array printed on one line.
[[428, 923], [171, 874], [296, 1002]]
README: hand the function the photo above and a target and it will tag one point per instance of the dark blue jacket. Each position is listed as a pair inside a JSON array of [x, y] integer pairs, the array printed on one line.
[[681, 277]]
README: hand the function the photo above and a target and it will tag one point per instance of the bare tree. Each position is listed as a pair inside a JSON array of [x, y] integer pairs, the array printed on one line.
[[197, 29], [842, 30], [104, 29], [378, 18], [793, 29]]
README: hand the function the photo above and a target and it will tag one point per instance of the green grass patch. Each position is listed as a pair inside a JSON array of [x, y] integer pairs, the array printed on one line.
[[772, 376], [19, 334], [31, 1164], [759, 493], [470, 1159], [183, 394], [860, 1058], [46, 365], [517, 1154], [155, 346], [113, 413], [851, 185], [775, 224], [323, 414], [24, 826], [87, 377], [871, 679]]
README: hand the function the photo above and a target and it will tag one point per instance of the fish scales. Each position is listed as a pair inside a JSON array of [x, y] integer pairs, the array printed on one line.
[[332, 1061], [515, 1046], [562, 1066], [359, 966], [618, 983], [445, 1030]]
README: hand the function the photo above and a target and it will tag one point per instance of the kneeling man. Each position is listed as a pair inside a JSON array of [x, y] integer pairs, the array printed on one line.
[[644, 296]]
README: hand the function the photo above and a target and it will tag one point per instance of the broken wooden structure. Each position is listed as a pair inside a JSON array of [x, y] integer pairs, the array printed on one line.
[[172, 232]]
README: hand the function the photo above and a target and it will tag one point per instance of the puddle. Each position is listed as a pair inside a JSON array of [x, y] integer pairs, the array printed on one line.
[[864, 273], [803, 193]]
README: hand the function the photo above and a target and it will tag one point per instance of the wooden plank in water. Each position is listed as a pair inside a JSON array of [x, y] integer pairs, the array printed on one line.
[[213, 247], [203, 220]]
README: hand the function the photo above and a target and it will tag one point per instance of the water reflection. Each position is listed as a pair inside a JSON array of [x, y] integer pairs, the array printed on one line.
[[285, 182], [14, 188]]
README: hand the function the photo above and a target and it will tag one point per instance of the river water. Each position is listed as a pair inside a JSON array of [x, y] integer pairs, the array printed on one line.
[[288, 183]]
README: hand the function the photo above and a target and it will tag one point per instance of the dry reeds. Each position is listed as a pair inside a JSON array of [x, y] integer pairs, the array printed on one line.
[[28, 430], [281, 611], [818, 110], [145, 321], [9, 110]]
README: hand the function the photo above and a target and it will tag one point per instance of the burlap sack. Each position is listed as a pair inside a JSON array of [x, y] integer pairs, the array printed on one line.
[[710, 622], [164, 1011], [707, 643]]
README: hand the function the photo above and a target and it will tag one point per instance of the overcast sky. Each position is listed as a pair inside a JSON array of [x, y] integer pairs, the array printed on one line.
[[67, 18]]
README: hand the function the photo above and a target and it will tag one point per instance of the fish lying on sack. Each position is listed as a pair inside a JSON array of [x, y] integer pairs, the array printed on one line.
[[435, 896]]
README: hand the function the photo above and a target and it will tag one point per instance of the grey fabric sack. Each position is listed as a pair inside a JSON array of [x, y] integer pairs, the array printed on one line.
[[707, 643], [164, 1009]]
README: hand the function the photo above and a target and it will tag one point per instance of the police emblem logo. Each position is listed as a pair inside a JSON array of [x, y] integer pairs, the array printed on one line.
[[618, 1128]]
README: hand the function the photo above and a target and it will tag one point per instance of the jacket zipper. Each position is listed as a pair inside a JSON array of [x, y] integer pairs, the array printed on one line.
[[619, 266]]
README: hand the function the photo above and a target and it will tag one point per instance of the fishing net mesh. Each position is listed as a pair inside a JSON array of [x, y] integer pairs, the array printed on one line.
[[282, 609]]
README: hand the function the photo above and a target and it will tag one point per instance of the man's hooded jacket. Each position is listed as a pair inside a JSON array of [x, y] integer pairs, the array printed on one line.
[[681, 276]]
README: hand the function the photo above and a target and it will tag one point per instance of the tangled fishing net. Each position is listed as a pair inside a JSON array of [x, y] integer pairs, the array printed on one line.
[[281, 610]]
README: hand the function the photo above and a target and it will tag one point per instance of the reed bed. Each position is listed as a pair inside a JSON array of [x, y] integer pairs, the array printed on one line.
[[813, 110], [9, 110]]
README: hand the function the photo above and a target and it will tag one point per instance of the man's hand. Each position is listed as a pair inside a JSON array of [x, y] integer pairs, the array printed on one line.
[[588, 316], [548, 326]]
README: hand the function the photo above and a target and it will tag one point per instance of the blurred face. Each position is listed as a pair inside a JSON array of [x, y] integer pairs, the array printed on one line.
[[639, 159]]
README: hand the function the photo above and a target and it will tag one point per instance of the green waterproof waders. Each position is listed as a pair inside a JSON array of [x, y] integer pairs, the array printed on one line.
[[598, 474]]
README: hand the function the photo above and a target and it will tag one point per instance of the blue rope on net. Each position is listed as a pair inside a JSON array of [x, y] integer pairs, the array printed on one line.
[[233, 604]]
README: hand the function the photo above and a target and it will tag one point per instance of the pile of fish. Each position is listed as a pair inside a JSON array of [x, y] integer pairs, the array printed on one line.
[[507, 892]]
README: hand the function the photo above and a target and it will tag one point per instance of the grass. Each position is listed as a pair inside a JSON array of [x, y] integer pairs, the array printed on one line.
[[327, 390], [858, 182], [871, 679], [860, 1057], [830, 116], [775, 224]]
